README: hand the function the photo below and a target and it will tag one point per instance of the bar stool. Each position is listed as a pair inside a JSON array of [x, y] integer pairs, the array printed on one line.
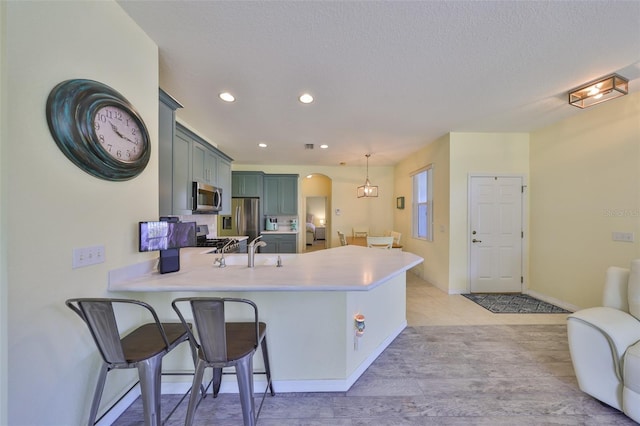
[[226, 344], [143, 349]]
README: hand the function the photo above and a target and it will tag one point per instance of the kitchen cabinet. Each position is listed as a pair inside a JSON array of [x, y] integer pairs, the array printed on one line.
[[203, 164], [174, 161], [184, 157], [280, 195], [247, 184], [278, 243]]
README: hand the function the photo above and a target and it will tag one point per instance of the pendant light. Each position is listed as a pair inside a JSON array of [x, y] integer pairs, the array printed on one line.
[[367, 190]]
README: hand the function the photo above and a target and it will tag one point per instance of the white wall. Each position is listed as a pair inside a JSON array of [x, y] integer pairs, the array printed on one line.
[[585, 184], [50, 206]]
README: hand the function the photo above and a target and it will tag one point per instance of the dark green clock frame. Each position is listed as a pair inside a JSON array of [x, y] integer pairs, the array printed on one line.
[[71, 109]]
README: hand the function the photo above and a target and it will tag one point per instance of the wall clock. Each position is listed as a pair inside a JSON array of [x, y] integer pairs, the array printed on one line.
[[98, 129]]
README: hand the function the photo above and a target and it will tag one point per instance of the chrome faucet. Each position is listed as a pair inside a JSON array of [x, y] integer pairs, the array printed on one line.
[[251, 250], [220, 260]]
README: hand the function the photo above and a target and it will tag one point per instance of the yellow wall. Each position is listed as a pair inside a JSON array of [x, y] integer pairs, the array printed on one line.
[[585, 184], [50, 206]]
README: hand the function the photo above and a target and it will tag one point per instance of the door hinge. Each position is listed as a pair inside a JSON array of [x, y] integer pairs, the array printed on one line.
[[521, 279], [521, 234]]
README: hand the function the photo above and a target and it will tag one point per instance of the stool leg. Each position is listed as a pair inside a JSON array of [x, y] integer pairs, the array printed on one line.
[[97, 395], [244, 375], [217, 380], [193, 399], [267, 369], [149, 372]]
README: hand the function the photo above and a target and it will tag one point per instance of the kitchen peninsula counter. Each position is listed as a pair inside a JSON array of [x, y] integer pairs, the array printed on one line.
[[346, 268], [308, 304]]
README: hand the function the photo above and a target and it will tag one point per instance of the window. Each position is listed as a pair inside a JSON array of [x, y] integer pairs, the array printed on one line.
[[423, 204]]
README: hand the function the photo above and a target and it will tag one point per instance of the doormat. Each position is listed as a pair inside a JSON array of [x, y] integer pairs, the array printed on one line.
[[514, 304]]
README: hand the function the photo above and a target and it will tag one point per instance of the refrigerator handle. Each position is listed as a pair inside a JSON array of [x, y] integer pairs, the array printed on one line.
[[238, 220]]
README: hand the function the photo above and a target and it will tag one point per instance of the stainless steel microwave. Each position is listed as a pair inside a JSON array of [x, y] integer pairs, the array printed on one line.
[[206, 198]]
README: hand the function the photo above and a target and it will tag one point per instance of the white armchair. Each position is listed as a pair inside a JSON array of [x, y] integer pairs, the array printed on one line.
[[605, 343]]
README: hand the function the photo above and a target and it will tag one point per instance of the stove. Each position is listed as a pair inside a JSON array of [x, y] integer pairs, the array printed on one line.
[[217, 243]]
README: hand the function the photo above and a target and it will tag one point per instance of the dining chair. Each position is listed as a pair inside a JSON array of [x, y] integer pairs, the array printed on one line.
[[143, 349], [343, 238], [225, 344], [380, 242], [360, 231], [396, 237]]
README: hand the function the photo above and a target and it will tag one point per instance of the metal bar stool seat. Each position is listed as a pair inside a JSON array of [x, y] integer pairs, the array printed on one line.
[[226, 344], [143, 349]]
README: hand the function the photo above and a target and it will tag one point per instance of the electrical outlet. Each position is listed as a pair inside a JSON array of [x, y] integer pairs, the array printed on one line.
[[86, 256], [622, 236]]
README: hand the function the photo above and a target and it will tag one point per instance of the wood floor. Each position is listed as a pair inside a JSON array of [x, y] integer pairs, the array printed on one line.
[[455, 364]]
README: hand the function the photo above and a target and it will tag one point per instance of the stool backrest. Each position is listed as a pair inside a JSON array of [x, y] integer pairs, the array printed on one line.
[[98, 314], [211, 326]]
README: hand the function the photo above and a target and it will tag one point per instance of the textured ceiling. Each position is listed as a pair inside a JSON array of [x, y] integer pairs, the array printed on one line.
[[388, 77]]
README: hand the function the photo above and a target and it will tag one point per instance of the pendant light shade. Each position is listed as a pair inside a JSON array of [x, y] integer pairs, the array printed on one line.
[[367, 190]]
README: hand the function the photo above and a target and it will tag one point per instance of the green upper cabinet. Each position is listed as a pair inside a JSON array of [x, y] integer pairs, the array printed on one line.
[[204, 164], [185, 157], [280, 195], [247, 184]]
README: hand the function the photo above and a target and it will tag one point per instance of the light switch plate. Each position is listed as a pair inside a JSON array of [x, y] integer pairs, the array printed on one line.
[[86, 256], [627, 237]]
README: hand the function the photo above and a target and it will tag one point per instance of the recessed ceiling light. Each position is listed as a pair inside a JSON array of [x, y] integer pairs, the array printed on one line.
[[309, 176], [262, 145], [227, 97], [306, 98], [324, 146]]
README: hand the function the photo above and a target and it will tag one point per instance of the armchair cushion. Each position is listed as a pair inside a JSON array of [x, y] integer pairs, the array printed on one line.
[[616, 286]]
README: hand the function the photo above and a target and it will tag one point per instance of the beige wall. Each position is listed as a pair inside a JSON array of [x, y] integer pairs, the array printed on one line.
[[454, 157], [435, 268], [50, 206], [376, 213], [477, 153], [585, 184], [4, 280]]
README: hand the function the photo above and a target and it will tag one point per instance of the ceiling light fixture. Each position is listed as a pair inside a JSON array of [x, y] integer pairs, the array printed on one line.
[[324, 146], [262, 145], [306, 98], [367, 190], [227, 97], [600, 90]]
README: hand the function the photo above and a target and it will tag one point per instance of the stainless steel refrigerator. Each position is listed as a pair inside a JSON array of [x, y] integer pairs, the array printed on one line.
[[244, 219]]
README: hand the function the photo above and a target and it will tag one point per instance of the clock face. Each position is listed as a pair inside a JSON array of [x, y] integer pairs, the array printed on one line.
[[118, 133]]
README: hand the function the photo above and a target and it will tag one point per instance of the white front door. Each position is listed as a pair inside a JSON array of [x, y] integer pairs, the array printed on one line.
[[496, 233]]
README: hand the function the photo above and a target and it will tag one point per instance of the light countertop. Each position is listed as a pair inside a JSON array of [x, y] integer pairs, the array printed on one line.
[[345, 268]]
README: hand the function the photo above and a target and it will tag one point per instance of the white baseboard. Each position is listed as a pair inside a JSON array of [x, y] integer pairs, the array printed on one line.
[[553, 301], [260, 384]]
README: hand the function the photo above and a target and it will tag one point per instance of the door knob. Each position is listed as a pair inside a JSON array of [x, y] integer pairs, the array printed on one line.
[[476, 241]]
